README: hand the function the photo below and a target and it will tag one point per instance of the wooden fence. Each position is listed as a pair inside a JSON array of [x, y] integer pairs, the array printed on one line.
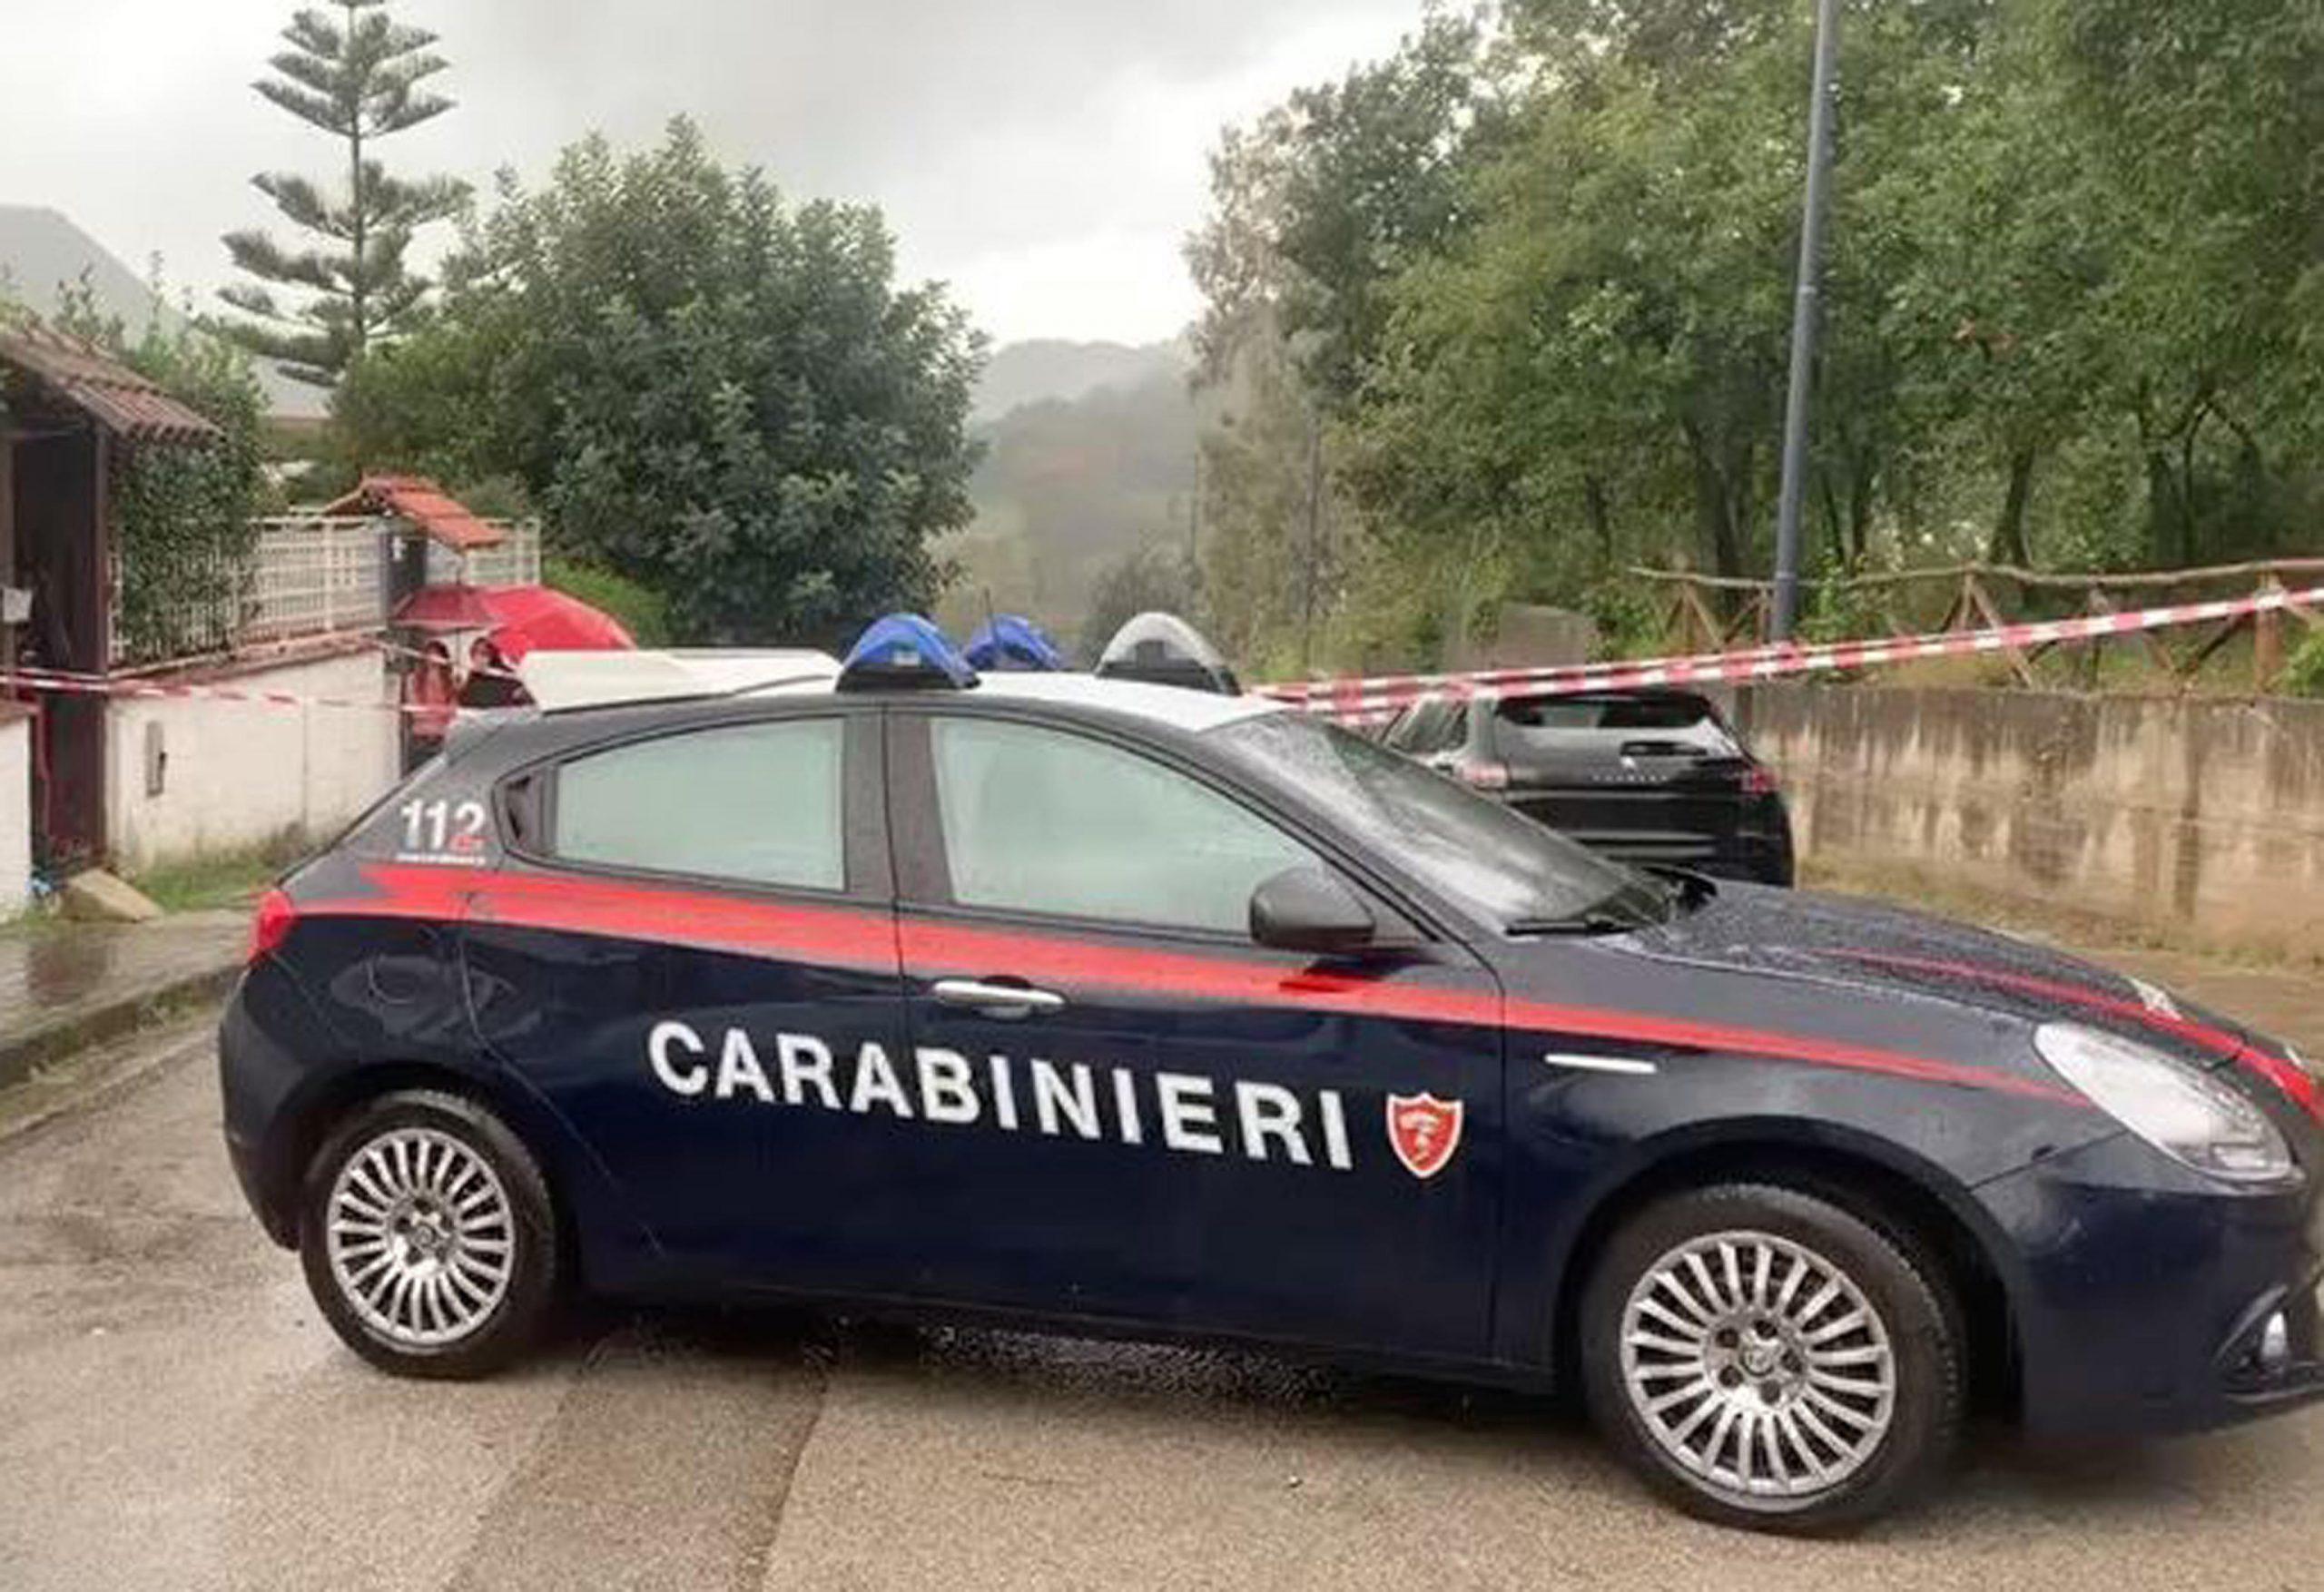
[[1713, 613]]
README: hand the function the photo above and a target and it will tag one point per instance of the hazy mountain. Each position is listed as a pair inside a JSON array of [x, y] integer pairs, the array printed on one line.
[[1030, 372], [41, 253], [1070, 488]]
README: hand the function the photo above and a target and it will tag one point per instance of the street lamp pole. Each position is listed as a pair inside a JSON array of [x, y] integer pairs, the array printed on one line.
[[1806, 320]]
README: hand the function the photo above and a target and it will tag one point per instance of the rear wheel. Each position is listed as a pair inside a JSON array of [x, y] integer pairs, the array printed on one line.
[[1766, 1359], [427, 1236]]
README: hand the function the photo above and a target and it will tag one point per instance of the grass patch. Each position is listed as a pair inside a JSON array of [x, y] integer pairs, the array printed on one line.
[[208, 884]]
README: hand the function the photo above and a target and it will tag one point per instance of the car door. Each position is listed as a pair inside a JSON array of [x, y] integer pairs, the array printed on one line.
[[691, 923], [1170, 1123]]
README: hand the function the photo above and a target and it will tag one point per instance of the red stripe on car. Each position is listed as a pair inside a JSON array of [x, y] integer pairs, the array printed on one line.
[[854, 938]]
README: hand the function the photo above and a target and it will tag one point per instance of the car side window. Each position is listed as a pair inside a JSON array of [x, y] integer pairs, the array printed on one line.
[[1040, 820], [756, 803]]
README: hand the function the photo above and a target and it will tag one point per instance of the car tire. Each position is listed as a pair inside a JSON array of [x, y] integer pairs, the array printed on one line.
[[1715, 1358], [427, 1236]]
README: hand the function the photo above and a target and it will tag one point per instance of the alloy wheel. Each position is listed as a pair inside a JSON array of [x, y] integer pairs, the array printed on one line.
[[421, 1237], [1760, 1366]]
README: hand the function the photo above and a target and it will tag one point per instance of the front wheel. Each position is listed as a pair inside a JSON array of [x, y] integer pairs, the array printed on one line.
[[427, 1236], [1767, 1360]]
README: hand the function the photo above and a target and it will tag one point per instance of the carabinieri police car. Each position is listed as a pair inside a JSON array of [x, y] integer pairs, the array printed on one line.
[[1121, 1008]]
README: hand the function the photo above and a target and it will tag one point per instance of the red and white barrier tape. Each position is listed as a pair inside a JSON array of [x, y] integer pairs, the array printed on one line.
[[52, 682], [1370, 699]]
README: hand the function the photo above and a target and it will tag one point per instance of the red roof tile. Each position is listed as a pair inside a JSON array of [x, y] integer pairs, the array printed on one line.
[[424, 505], [124, 403]]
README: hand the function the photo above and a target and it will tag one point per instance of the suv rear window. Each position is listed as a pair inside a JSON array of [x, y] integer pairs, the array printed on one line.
[[1575, 721]]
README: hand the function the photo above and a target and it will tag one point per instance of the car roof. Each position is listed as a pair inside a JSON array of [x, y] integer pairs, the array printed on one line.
[[1168, 707], [562, 681], [1172, 706]]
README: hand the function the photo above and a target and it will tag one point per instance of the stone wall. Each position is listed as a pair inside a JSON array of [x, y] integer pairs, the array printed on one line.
[[2198, 821], [237, 776]]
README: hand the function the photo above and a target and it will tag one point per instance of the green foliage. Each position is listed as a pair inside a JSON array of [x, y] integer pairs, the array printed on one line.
[[642, 610], [1269, 569], [1323, 200], [724, 398], [2304, 674], [1629, 617], [1538, 278], [182, 514], [360, 78]]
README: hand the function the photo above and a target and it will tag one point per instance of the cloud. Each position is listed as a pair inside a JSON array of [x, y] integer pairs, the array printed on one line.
[[1045, 155]]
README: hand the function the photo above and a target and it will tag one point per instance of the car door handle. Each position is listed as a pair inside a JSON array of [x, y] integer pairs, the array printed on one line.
[[997, 1000]]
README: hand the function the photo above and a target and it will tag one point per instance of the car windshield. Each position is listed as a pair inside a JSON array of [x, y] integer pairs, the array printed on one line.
[[1505, 867]]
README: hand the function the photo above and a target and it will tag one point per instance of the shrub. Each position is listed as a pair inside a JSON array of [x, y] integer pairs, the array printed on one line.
[[2304, 675], [642, 611]]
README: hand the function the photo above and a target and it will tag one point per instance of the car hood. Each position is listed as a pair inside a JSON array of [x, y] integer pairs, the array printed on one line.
[[1848, 944]]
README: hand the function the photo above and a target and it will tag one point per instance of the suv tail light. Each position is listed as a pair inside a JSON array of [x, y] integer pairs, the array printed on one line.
[[1758, 779], [1482, 775], [270, 924]]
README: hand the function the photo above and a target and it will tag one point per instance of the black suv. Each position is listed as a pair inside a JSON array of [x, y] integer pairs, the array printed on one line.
[[1650, 776]]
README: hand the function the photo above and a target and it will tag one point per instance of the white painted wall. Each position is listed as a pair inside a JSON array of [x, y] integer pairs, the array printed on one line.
[[243, 775], [15, 815]]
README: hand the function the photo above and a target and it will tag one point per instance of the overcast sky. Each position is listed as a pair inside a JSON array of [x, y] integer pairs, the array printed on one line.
[[1045, 156]]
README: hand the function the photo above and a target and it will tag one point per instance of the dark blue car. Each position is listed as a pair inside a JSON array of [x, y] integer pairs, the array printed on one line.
[[1119, 1009]]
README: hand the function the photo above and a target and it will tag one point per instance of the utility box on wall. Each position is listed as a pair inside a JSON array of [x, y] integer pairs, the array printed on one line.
[[157, 758]]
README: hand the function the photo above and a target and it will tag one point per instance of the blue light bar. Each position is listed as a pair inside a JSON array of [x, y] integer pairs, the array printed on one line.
[[903, 652], [1011, 641]]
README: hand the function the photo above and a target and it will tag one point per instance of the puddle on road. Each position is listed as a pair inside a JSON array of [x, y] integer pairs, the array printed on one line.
[[63, 966]]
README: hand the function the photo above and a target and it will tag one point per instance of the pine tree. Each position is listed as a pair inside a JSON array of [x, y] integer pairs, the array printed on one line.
[[358, 77]]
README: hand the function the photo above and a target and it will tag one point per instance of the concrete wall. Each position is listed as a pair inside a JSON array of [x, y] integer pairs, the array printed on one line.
[[15, 812], [237, 776], [2203, 820]]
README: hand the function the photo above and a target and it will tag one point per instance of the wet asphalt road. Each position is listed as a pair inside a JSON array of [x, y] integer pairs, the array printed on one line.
[[174, 1414]]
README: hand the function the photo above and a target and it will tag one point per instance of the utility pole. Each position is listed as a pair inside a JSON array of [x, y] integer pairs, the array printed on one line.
[[1194, 514], [1806, 321]]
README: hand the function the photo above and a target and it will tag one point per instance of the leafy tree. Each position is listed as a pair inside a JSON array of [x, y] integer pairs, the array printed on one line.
[[358, 76], [1535, 274], [1323, 200], [721, 396], [2205, 121], [1265, 551]]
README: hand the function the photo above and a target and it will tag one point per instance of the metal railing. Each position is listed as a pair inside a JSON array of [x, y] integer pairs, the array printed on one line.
[[515, 562], [301, 575], [316, 577]]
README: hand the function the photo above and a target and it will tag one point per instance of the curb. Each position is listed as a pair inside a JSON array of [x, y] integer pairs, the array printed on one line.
[[26, 1053]]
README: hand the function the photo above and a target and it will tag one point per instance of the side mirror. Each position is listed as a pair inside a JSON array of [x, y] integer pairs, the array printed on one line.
[[1309, 910]]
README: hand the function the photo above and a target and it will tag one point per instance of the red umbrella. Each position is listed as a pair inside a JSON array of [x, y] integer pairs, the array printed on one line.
[[516, 620]]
